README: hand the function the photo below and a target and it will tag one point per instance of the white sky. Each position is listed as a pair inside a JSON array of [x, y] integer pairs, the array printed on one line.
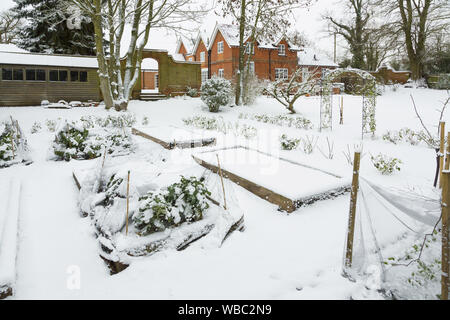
[[307, 20]]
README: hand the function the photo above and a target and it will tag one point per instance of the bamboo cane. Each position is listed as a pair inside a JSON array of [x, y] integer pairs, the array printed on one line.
[[223, 186], [128, 199], [445, 235], [341, 121], [447, 154], [352, 213], [441, 151], [12, 146]]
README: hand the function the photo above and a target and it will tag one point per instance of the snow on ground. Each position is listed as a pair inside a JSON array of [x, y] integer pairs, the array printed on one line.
[[279, 256]]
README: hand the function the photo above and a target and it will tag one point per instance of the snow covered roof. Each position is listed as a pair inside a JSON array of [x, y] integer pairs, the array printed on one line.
[[9, 47], [309, 57], [231, 34], [201, 36], [55, 60]]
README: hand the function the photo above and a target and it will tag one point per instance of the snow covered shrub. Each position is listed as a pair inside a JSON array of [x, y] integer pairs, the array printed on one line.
[[184, 201], [192, 92], [404, 134], [123, 120], [13, 145], [309, 144], [219, 124], [298, 122], [245, 131], [289, 143], [51, 125], [145, 121], [71, 143], [36, 127], [385, 164], [216, 92], [87, 122], [253, 88]]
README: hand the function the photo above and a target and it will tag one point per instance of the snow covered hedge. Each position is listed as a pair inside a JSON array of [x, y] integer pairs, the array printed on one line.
[[184, 201], [216, 92]]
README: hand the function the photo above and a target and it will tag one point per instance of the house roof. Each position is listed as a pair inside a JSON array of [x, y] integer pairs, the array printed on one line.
[[9, 47], [231, 34], [309, 57], [201, 36], [53, 60]]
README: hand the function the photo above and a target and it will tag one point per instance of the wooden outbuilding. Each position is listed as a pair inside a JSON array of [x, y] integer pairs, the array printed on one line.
[[26, 79]]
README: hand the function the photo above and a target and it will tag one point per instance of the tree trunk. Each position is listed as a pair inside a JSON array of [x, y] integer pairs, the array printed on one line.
[[240, 73]]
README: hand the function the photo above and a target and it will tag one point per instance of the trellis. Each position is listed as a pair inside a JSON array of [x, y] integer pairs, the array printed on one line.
[[369, 102]]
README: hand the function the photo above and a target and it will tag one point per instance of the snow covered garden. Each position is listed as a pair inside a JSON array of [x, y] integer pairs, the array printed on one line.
[[179, 242]]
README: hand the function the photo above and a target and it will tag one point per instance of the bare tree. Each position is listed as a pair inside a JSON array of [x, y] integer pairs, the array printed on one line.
[[413, 22], [353, 28], [258, 19], [287, 92], [110, 18], [10, 26]]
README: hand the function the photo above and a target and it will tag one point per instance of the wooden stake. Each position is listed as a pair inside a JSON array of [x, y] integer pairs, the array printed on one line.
[[445, 236], [447, 154], [352, 213], [128, 198], [441, 151], [223, 186], [12, 146], [341, 121], [104, 156]]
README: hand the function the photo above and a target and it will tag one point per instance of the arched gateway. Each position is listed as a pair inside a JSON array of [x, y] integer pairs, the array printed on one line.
[[173, 76]]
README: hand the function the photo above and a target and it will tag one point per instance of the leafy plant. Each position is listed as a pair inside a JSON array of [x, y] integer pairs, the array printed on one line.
[[184, 201], [385, 164], [289, 143], [36, 127], [192, 92]]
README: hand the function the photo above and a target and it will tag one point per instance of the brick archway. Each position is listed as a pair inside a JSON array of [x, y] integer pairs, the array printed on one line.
[[174, 76]]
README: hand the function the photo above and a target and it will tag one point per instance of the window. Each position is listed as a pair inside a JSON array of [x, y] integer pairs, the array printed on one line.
[[35, 74], [74, 75], [281, 74], [251, 67], [17, 74], [6, 74], [40, 75], [250, 48], [204, 75], [190, 59], [221, 73], [220, 47], [202, 56], [58, 75], [281, 50], [83, 76]]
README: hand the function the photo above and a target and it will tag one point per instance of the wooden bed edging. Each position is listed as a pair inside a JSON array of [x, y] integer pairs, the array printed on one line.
[[181, 144], [284, 203], [5, 292]]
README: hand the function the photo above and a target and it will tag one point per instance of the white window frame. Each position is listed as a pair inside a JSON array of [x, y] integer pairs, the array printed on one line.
[[202, 56], [250, 48], [221, 73], [281, 74], [220, 47], [204, 74], [281, 50], [251, 68]]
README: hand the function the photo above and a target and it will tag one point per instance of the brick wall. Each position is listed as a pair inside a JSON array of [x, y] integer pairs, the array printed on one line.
[[386, 75]]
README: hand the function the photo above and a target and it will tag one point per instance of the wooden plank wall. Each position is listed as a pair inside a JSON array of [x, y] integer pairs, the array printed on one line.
[[31, 93]]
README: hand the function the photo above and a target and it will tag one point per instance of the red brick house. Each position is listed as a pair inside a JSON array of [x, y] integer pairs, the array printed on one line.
[[311, 61], [219, 55]]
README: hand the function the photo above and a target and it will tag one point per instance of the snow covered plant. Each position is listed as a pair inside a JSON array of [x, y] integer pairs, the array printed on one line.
[[404, 134], [309, 144], [298, 122], [192, 92], [145, 121], [122, 120], [219, 124], [74, 142], [385, 164], [51, 125], [36, 127], [289, 143], [287, 90], [13, 145], [184, 201], [216, 92]]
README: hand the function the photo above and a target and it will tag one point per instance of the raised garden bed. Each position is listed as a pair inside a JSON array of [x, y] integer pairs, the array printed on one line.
[[117, 248], [283, 182], [172, 137]]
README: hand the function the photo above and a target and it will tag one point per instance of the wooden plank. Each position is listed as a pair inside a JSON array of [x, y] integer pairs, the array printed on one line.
[[176, 144]]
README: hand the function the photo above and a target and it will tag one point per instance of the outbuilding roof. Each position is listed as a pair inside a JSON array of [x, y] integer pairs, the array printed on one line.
[[53, 60]]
